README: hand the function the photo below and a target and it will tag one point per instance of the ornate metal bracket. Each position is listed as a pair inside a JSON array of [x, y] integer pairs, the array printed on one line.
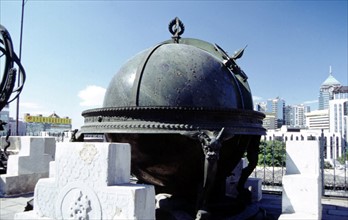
[[75, 137], [211, 145], [230, 61], [176, 28]]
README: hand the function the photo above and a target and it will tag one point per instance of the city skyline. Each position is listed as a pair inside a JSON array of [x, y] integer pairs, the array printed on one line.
[[71, 50], [313, 104]]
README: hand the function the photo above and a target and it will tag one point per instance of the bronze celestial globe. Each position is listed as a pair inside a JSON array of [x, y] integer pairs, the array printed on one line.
[[186, 108]]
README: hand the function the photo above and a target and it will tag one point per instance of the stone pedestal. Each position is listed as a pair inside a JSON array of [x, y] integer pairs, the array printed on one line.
[[28, 166], [301, 197], [91, 181]]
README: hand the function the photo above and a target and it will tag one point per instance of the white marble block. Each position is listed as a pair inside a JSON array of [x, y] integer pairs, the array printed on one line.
[[91, 181], [52, 169], [34, 156], [301, 198], [28, 166], [302, 157]]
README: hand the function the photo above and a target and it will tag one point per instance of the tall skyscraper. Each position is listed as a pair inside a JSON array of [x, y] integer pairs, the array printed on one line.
[[340, 92], [318, 120], [326, 91], [288, 115], [339, 113], [295, 116], [277, 107]]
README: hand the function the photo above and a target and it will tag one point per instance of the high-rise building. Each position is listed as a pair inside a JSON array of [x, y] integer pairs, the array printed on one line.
[[326, 91], [338, 115], [318, 120], [277, 107], [340, 92], [295, 115], [288, 115], [269, 122]]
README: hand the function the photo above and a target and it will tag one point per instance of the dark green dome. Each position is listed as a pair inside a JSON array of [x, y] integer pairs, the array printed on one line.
[[176, 75], [177, 87]]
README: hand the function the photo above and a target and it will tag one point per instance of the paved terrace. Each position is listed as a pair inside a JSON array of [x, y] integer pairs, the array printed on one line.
[[333, 208]]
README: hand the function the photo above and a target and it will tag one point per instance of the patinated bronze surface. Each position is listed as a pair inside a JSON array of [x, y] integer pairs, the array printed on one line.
[[8, 89], [186, 109]]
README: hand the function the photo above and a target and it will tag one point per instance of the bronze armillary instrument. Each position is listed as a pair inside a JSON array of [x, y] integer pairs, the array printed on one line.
[[186, 109], [8, 91]]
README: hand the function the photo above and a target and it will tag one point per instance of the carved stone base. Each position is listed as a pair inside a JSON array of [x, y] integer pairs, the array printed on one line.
[[91, 181], [29, 165], [19, 184]]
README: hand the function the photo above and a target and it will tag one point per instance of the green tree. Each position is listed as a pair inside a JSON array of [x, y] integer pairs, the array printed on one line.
[[272, 153], [343, 158]]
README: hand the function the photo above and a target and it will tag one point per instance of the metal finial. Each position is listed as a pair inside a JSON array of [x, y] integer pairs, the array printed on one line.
[[176, 28]]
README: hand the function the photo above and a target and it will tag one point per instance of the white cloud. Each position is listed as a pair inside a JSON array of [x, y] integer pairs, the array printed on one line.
[[32, 108], [257, 98], [310, 102], [92, 96], [29, 105]]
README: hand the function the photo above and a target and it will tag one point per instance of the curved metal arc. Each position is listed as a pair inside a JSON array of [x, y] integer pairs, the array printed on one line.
[[7, 85], [139, 75], [22, 78], [7, 51]]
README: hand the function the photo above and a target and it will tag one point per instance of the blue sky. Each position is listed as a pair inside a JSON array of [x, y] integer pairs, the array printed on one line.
[[71, 49]]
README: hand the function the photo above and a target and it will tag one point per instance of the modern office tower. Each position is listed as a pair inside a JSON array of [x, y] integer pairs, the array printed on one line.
[[296, 115], [269, 122], [339, 110], [340, 92], [277, 107], [288, 115], [326, 91], [318, 120], [338, 115], [339, 118]]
